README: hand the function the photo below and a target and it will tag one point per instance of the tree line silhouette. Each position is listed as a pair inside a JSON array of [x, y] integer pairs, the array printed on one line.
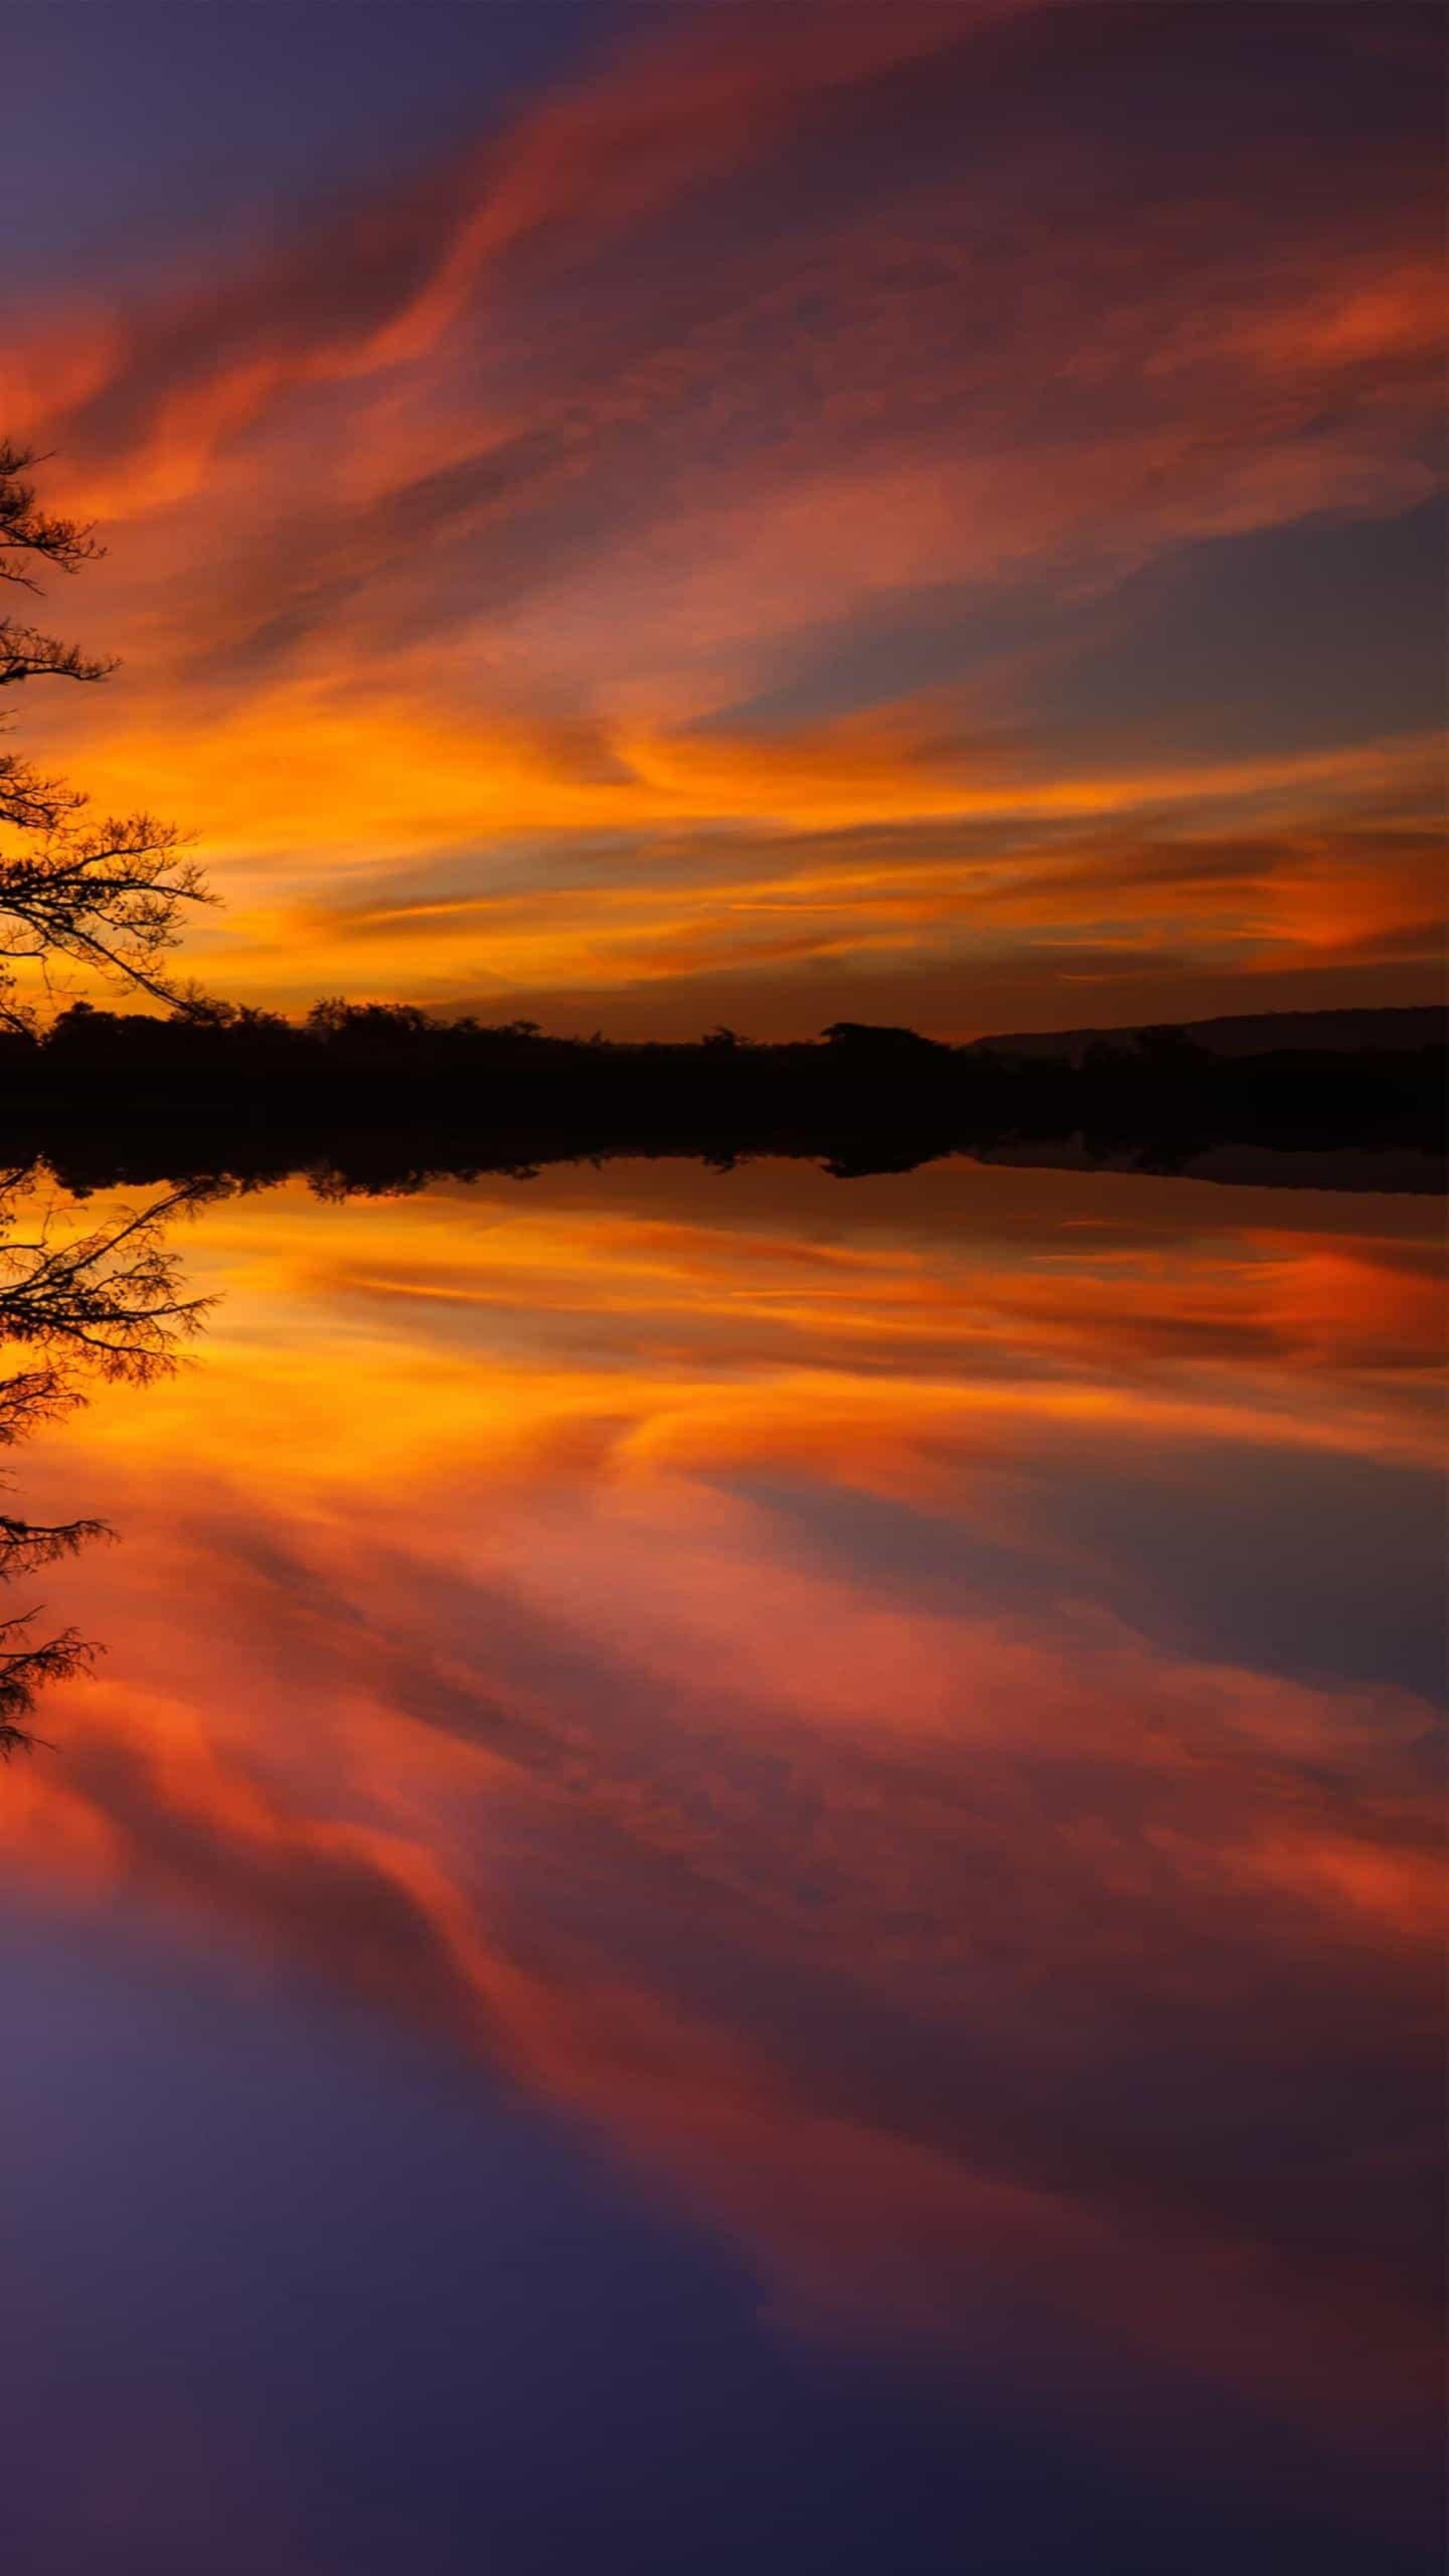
[[213, 1088]]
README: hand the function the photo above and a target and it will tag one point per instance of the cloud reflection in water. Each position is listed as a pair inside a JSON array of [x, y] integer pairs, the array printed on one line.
[[894, 1705]]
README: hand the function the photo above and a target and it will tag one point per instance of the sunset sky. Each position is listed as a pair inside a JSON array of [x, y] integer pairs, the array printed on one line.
[[642, 517]]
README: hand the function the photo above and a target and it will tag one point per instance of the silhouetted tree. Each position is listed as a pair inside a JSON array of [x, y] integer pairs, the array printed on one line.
[[109, 894]]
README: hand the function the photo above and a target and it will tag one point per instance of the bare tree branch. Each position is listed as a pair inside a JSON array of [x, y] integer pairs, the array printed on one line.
[[111, 896], [28, 531], [26, 654]]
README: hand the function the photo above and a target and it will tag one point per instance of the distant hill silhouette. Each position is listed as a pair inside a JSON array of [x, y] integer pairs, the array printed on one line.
[[1339, 1032]]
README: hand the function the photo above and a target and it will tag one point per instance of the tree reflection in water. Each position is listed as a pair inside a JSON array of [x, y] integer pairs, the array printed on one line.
[[106, 1303]]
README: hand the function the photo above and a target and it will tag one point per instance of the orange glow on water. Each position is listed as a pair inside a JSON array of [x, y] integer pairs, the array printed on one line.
[[496, 1631]]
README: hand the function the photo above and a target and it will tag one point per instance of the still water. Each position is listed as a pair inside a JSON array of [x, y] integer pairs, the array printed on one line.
[[748, 1884]]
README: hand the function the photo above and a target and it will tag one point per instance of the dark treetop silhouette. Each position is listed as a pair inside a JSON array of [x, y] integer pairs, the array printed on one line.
[[107, 895]]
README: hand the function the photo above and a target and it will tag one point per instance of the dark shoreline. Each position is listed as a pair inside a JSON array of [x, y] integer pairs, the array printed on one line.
[[375, 1097], [379, 1142]]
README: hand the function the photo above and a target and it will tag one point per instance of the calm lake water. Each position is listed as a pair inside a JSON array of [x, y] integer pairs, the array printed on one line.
[[748, 1885]]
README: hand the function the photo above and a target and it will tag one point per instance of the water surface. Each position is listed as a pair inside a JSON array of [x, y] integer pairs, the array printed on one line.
[[748, 1884]]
